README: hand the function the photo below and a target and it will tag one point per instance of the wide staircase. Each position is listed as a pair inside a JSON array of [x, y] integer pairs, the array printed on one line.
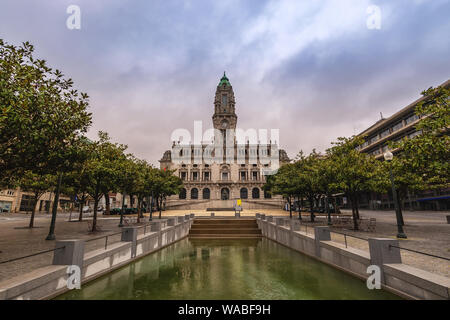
[[224, 228]]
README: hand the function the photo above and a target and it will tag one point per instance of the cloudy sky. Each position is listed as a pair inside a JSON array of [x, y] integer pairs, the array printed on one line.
[[311, 68]]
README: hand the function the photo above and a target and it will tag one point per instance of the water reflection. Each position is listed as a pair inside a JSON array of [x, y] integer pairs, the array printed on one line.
[[226, 269]]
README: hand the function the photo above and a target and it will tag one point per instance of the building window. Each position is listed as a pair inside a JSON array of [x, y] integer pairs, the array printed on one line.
[[224, 100], [224, 175], [374, 139], [225, 194], [255, 193], [411, 119], [206, 193], [194, 176], [194, 194], [182, 195], [244, 193], [385, 133], [414, 134], [183, 176], [398, 126], [206, 176], [255, 175], [243, 175]]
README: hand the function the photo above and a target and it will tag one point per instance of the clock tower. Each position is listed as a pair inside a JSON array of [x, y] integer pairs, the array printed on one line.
[[224, 106]]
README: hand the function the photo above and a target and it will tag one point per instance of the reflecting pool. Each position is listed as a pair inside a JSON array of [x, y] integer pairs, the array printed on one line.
[[226, 269]]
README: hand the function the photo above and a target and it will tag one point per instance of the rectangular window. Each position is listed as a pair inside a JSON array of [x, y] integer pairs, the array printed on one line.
[[224, 175], [224, 100], [374, 138], [411, 119], [255, 175], [243, 175], [414, 134], [376, 152], [206, 176], [397, 126], [384, 133], [183, 176], [195, 176]]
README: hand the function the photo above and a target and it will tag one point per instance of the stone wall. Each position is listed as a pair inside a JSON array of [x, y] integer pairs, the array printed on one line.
[[404, 280], [51, 281]]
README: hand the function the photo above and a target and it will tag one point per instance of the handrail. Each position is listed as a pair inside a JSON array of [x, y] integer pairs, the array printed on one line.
[[101, 237], [424, 253], [31, 255], [350, 235]]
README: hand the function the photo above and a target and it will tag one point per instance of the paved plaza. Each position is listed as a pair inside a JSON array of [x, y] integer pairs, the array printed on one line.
[[427, 232]]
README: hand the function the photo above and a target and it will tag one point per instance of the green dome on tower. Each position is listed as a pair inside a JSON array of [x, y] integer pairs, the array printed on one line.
[[224, 80]]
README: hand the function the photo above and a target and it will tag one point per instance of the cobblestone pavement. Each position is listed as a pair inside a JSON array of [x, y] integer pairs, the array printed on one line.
[[427, 232]]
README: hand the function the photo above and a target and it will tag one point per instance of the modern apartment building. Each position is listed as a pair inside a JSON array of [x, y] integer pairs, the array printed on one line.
[[396, 127]]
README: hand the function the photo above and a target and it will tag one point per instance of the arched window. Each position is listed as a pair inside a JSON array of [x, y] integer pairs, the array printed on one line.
[[255, 193], [194, 193], [206, 193], [244, 193], [183, 193], [225, 194], [267, 195]]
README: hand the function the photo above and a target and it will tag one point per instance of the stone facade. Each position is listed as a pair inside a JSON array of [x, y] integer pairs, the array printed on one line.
[[217, 173]]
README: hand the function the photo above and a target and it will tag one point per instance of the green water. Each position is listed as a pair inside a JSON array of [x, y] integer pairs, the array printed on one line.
[[226, 269]]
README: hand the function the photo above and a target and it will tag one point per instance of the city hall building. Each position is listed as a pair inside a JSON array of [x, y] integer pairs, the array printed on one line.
[[238, 171]]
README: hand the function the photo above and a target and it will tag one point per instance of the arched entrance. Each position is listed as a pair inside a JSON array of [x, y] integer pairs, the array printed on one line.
[[225, 194]]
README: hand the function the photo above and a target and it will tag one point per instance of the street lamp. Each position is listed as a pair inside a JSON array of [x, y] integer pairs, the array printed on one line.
[[388, 156]]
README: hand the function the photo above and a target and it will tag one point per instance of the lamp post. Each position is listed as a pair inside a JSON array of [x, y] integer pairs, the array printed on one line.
[[388, 156]]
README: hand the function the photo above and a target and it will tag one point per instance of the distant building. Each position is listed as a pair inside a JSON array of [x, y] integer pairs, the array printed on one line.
[[219, 184], [16, 200], [396, 127]]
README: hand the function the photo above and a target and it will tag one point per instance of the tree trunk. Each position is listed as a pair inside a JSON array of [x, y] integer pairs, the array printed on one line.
[[354, 210], [123, 209], [311, 208], [107, 204], [83, 200], [160, 207], [131, 201], [51, 232], [327, 208], [290, 207], [299, 209], [96, 199], [139, 211], [33, 210], [357, 207]]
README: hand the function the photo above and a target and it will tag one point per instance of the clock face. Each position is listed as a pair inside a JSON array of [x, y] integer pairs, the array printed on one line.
[[224, 124]]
